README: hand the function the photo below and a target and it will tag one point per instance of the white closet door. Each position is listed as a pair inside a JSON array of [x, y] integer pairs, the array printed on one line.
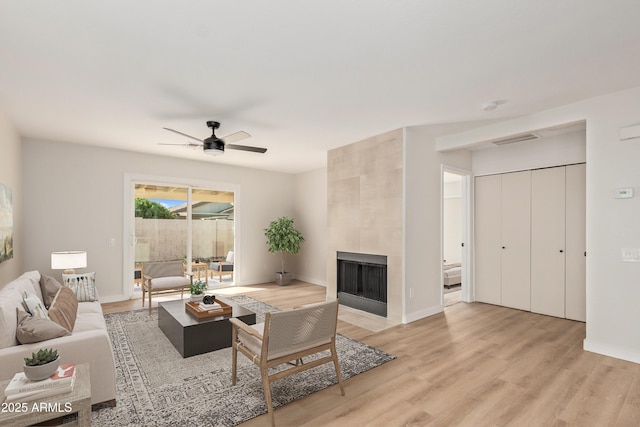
[[487, 239], [575, 279], [548, 241], [516, 240]]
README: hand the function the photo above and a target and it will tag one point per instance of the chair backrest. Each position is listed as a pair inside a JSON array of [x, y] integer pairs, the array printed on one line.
[[156, 269], [300, 329]]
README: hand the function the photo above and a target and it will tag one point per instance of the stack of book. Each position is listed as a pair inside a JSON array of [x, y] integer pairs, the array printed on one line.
[[23, 389], [207, 307]]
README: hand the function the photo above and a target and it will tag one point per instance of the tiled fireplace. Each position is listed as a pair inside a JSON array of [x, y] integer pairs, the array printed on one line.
[[365, 211]]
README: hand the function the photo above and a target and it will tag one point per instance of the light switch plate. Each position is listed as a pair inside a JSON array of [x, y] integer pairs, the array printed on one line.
[[624, 193]]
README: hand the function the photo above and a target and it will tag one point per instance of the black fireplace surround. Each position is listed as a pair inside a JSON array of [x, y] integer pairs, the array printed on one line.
[[362, 281]]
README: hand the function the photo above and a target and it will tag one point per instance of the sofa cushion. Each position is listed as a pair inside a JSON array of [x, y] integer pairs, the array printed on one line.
[[10, 298], [83, 285], [221, 266], [49, 287], [35, 329], [89, 321], [64, 308], [34, 306]]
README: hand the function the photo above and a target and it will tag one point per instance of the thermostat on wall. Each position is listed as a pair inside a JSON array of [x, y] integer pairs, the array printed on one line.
[[624, 193]]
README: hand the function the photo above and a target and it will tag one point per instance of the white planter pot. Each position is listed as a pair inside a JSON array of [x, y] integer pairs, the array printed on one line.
[[196, 297], [41, 372]]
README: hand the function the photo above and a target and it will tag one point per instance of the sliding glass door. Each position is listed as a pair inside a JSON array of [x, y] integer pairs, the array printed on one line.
[[182, 222]]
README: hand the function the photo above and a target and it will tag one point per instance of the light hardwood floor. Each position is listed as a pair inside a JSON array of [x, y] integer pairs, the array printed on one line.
[[473, 365]]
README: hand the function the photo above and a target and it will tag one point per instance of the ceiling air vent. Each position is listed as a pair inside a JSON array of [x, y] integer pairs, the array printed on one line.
[[516, 138]]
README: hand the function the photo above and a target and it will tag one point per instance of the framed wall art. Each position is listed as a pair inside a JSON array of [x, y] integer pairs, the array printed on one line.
[[6, 223]]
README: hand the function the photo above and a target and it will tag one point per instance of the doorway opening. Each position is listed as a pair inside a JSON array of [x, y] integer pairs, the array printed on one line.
[[455, 234]]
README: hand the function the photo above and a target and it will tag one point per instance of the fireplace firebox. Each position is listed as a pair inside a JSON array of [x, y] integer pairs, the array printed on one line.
[[362, 281]]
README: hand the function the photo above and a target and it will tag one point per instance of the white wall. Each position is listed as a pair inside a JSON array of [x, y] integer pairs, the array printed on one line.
[[74, 200], [310, 214], [422, 211], [613, 286], [557, 150], [10, 175]]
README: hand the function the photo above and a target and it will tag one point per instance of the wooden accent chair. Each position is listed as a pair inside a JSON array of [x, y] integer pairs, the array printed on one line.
[[164, 277], [287, 336], [222, 267]]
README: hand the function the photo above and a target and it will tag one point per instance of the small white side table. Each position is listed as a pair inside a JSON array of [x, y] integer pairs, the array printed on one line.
[[35, 411]]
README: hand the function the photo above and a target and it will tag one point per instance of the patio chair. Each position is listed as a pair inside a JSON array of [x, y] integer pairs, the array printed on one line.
[[163, 277], [287, 336], [222, 267]]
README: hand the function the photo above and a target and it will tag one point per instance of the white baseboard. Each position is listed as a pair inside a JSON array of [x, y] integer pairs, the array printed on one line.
[[611, 351], [113, 298], [312, 280], [430, 311]]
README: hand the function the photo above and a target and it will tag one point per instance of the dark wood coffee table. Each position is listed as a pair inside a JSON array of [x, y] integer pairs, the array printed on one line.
[[190, 335]]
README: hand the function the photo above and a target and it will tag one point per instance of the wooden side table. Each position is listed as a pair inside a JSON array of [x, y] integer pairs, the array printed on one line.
[[19, 413], [199, 268]]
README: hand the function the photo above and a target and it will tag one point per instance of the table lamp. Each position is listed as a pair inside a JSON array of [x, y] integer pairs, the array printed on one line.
[[68, 261]]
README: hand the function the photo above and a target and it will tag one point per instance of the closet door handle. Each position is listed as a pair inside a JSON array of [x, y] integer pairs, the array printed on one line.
[[504, 247], [561, 251]]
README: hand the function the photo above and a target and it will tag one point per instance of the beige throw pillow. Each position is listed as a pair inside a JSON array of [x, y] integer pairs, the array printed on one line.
[[35, 329], [64, 308], [49, 287]]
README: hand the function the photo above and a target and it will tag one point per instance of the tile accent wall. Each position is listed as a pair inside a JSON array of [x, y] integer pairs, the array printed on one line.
[[365, 208]]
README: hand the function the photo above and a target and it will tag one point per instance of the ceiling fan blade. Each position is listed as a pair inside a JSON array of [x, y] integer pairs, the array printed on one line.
[[245, 148], [236, 136], [188, 144], [183, 134]]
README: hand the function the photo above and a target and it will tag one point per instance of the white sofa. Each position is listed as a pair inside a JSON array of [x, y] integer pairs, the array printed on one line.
[[88, 343]]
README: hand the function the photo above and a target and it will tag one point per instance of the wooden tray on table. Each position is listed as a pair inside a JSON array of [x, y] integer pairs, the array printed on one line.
[[193, 307]]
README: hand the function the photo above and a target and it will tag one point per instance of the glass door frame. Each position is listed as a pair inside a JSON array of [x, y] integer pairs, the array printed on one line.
[[128, 235]]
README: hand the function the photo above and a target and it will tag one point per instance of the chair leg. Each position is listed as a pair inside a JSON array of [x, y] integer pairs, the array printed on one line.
[[234, 353], [267, 393], [336, 365], [143, 295], [149, 301]]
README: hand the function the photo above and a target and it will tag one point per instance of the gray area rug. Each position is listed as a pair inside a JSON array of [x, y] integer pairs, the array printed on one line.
[[156, 386]]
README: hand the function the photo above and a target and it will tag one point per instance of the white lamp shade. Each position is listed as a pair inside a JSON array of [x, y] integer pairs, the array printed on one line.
[[68, 260]]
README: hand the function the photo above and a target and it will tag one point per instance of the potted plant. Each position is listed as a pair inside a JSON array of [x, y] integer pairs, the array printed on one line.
[[41, 365], [283, 237], [197, 289]]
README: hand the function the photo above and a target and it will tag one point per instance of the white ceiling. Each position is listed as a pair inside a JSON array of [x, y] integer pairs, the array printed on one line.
[[301, 76]]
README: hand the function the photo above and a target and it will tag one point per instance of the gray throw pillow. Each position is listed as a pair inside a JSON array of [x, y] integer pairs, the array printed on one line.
[[49, 287], [35, 329]]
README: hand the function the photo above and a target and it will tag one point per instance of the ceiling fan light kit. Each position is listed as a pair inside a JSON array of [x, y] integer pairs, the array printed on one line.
[[213, 146]]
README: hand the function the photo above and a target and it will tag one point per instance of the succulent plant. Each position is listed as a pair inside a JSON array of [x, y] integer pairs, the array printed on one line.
[[42, 357], [198, 287]]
